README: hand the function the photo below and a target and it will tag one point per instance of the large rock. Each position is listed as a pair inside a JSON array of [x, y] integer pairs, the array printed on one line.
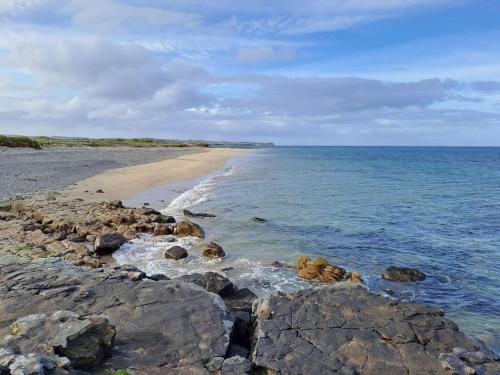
[[214, 251], [403, 274], [108, 243], [211, 281], [85, 342], [176, 253], [333, 330], [158, 323], [188, 228]]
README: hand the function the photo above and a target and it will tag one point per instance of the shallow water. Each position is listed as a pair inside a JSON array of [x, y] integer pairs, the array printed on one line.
[[363, 208]]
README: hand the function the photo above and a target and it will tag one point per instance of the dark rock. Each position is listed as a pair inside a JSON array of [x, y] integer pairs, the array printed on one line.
[[200, 215], [350, 330], [108, 243], [241, 299], [59, 236], [159, 324], [256, 219], [176, 253], [403, 274], [213, 251], [188, 228], [210, 281], [158, 277], [236, 366], [85, 342], [277, 264], [74, 238], [115, 204], [170, 239], [99, 191], [164, 219]]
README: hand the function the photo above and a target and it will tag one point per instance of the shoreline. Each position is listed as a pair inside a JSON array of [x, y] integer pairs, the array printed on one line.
[[124, 183]]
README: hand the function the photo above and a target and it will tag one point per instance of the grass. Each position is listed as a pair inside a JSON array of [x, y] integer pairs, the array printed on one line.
[[18, 141], [24, 247], [110, 142]]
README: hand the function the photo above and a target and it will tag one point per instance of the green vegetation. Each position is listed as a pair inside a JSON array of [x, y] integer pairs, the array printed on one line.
[[101, 142], [24, 247], [121, 372], [18, 141]]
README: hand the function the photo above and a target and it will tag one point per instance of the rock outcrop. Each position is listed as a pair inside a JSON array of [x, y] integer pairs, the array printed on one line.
[[158, 323], [62, 338], [403, 274], [332, 330], [199, 215], [318, 269]]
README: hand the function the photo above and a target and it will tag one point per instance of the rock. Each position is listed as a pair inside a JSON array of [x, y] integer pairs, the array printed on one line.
[[59, 236], [163, 219], [200, 215], [176, 253], [213, 251], [236, 366], [210, 281], [161, 230], [355, 277], [85, 342], [455, 365], [158, 277], [215, 364], [99, 191], [170, 239], [350, 330], [130, 234], [403, 274], [188, 228], [115, 204], [158, 324], [108, 243], [241, 299], [256, 219], [74, 238], [302, 262]]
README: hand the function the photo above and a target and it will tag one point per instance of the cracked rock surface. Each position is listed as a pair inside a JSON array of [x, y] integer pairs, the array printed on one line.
[[345, 330], [159, 324]]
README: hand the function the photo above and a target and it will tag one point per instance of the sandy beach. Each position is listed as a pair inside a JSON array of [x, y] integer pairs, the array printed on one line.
[[122, 183]]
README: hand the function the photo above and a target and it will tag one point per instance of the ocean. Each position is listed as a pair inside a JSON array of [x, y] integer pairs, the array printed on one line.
[[362, 208]]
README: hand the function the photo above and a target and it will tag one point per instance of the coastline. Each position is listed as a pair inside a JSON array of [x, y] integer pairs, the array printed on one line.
[[337, 327], [123, 183]]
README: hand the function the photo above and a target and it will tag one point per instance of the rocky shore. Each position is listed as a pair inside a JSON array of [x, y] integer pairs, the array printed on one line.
[[67, 308]]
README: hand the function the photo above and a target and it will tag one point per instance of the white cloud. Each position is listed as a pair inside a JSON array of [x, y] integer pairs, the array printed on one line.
[[265, 54]]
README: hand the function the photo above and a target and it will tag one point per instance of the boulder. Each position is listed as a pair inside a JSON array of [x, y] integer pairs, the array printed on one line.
[[213, 251], [176, 253], [349, 330], [158, 323], [200, 215], [74, 238], [211, 281], [108, 243], [84, 341], [236, 365], [403, 274], [188, 228], [161, 230]]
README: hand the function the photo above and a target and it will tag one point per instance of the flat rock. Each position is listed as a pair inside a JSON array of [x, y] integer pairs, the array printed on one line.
[[199, 215], [108, 243], [403, 274], [158, 323], [348, 330]]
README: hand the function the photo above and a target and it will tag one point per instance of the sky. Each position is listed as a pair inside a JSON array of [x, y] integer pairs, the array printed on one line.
[[316, 72]]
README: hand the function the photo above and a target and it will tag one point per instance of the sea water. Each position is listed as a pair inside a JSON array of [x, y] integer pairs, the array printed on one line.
[[362, 208]]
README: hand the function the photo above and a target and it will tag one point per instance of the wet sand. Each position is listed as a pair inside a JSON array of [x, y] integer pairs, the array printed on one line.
[[123, 183]]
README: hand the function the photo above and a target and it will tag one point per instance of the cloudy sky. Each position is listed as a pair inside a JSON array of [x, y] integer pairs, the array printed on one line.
[[336, 72]]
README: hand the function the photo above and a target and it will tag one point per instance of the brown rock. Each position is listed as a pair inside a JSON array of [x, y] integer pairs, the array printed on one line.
[[108, 243], [308, 273], [188, 228], [356, 278], [214, 251], [176, 253], [302, 262], [130, 234], [161, 230]]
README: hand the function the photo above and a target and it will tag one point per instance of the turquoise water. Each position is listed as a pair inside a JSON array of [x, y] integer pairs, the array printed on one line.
[[363, 208]]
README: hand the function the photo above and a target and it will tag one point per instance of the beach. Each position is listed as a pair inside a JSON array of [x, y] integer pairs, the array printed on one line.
[[199, 285]]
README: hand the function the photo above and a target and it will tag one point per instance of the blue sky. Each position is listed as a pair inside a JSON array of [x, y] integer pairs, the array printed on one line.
[[350, 72]]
